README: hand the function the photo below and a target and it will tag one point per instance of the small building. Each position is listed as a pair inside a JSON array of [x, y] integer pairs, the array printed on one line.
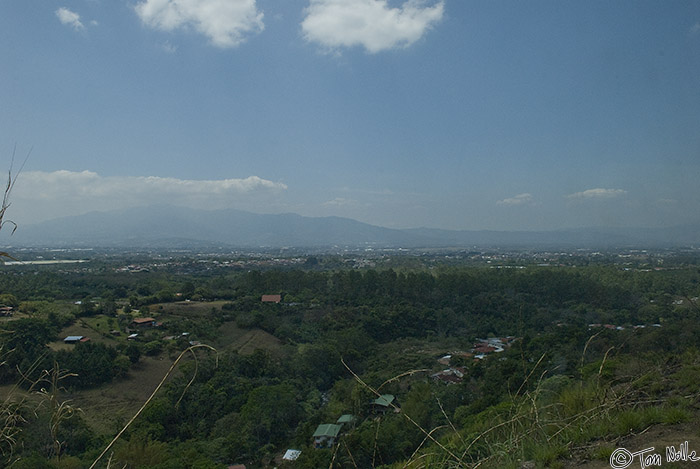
[[73, 339], [271, 298], [325, 435], [445, 360], [132, 337], [143, 322], [345, 419], [385, 402], [6, 311], [291, 455], [482, 349], [450, 375]]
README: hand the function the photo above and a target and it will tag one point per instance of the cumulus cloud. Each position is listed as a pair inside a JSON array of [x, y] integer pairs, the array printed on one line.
[[61, 193], [69, 18], [372, 24], [226, 23], [597, 193], [90, 184], [520, 199]]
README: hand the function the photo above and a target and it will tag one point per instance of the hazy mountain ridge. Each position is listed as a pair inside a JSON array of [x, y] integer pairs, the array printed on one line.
[[168, 226]]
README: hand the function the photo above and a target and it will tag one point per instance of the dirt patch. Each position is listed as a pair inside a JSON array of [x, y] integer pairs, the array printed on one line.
[[658, 437]]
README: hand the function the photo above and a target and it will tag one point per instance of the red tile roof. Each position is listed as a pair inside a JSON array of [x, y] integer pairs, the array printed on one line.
[[271, 298]]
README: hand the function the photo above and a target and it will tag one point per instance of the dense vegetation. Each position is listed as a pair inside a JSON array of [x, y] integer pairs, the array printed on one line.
[[343, 336]]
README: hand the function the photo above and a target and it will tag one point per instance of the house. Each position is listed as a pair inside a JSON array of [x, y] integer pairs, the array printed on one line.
[[6, 310], [132, 337], [291, 455], [73, 339], [385, 402], [346, 419], [143, 322], [450, 376], [445, 360], [446, 377], [325, 435], [271, 298], [482, 349]]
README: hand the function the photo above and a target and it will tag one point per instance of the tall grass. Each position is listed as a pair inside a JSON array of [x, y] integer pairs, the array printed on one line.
[[557, 416]]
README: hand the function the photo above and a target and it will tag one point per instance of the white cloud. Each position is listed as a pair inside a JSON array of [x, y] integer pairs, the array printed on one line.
[[169, 48], [667, 202], [64, 183], [60, 193], [597, 193], [225, 22], [340, 202], [69, 18], [372, 24], [520, 199]]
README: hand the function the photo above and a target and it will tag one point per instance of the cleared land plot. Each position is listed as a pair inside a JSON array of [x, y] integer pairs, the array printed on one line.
[[107, 408], [184, 309], [81, 328], [245, 341]]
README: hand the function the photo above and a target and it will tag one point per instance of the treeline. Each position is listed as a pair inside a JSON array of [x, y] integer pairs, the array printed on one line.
[[376, 324]]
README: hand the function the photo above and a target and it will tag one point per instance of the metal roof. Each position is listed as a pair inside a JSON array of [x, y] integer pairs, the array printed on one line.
[[329, 430], [384, 400], [291, 455]]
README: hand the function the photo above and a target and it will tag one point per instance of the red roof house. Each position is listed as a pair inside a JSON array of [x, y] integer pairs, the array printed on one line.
[[271, 298]]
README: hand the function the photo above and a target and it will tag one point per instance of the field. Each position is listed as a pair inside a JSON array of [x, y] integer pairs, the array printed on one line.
[[245, 341], [182, 309], [121, 398], [96, 328]]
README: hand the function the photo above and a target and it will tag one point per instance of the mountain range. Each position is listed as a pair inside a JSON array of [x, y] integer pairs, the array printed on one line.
[[167, 226]]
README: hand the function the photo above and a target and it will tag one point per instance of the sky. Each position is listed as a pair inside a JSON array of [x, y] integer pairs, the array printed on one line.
[[454, 114]]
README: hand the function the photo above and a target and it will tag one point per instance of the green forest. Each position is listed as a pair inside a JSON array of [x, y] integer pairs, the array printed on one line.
[[401, 364]]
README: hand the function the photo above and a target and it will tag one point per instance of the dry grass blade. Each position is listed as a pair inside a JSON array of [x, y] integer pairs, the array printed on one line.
[[150, 398], [407, 417], [425, 439], [11, 180], [459, 435], [347, 448], [585, 347], [396, 378], [527, 378]]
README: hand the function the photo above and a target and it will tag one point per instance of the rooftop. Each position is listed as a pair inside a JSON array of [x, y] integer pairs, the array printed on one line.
[[384, 400], [329, 430]]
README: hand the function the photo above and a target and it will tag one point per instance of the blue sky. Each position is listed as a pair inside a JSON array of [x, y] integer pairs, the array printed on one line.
[[513, 115]]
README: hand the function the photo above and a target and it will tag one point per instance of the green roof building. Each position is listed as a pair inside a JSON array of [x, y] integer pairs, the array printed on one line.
[[384, 400], [346, 418], [384, 403], [325, 435]]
